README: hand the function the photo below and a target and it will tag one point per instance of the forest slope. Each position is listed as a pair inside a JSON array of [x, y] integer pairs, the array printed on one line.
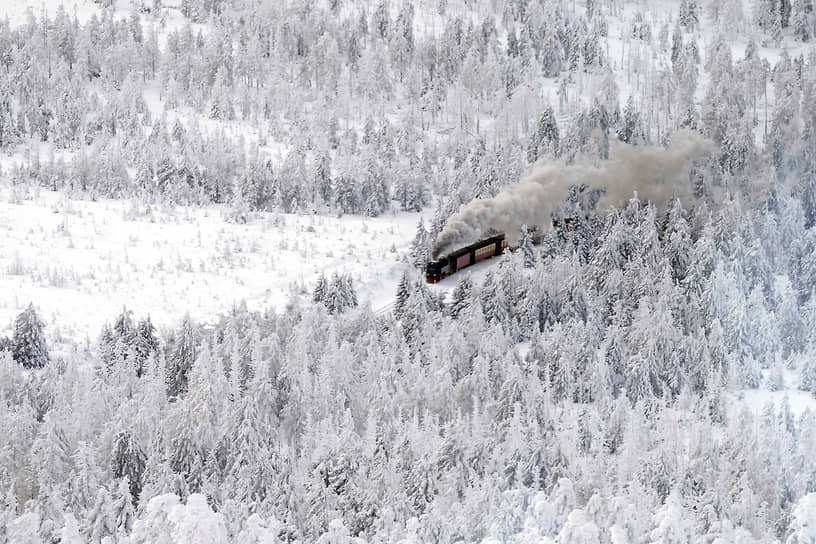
[[630, 379]]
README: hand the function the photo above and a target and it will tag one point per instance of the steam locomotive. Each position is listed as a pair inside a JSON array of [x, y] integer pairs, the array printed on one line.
[[472, 254]]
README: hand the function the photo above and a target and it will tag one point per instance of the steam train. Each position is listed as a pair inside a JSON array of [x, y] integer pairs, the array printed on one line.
[[472, 254]]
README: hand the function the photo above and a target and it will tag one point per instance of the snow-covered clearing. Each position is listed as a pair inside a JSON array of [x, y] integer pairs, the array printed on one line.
[[16, 11], [757, 400], [80, 262]]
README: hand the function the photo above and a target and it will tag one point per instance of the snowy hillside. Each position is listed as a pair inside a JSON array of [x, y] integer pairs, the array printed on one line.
[[214, 221]]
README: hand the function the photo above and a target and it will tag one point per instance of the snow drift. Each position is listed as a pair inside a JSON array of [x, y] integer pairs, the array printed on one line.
[[654, 173]]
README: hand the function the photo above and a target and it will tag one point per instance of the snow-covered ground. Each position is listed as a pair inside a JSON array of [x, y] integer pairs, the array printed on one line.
[[16, 11], [757, 399], [80, 262]]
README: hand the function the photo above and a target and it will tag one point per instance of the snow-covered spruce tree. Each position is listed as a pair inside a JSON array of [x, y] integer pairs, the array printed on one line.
[[544, 141], [28, 343], [128, 461], [145, 345], [181, 357], [349, 292], [461, 296], [403, 292], [420, 251], [807, 374], [123, 327], [339, 294], [526, 247], [124, 513], [688, 16], [802, 19], [322, 177], [347, 197], [632, 130], [101, 521], [252, 467], [320, 289]]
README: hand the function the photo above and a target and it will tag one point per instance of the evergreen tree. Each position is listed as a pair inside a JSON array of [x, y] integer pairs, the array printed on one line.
[[494, 302], [122, 508], [320, 290], [688, 16], [347, 197], [252, 471], [677, 240], [526, 247], [102, 521], [349, 294], [28, 343], [181, 357], [128, 461], [807, 374], [552, 56], [145, 345], [323, 180], [545, 139], [802, 19], [421, 246], [461, 296], [632, 131], [403, 292]]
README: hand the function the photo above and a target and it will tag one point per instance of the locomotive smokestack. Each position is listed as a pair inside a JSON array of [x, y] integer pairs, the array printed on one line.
[[655, 173]]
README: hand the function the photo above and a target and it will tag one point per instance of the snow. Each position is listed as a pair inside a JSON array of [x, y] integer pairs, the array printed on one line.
[[80, 262], [259, 531], [804, 521], [70, 532], [757, 399], [168, 520], [338, 534], [16, 11], [24, 529]]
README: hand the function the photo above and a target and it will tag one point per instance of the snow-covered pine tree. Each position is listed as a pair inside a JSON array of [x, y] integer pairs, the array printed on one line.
[[688, 16], [124, 513], [320, 290], [632, 131], [461, 296], [128, 460], [349, 294], [527, 248], [802, 19], [807, 373], [420, 251], [28, 343], [347, 197], [181, 357], [544, 141], [145, 345], [322, 175], [403, 292], [102, 520]]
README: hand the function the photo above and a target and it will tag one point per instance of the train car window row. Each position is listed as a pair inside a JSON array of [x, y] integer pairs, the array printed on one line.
[[483, 250]]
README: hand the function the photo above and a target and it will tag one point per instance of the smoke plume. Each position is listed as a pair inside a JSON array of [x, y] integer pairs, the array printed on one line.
[[655, 173]]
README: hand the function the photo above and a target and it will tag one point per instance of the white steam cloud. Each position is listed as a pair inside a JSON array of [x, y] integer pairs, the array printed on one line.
[[655, 173]]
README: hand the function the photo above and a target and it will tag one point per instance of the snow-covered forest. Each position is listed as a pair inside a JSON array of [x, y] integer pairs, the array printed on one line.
[[646, 374]]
